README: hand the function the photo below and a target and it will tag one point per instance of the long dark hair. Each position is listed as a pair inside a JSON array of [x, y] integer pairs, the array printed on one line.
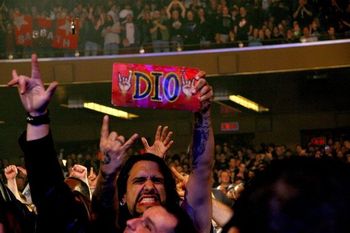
[[172, 197]]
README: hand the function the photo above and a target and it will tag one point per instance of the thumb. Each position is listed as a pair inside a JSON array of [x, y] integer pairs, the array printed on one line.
[[51, 89], [145, 142]]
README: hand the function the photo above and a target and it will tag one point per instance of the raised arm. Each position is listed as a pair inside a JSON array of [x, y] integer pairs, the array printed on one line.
[[10, 174], [296, 12], [56, 206], [104, 199], [221, 212], [80, 172], [34, 98], [198, 196]]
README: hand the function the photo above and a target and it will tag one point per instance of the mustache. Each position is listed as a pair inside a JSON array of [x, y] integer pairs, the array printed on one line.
[[151, 192], [139, 197]]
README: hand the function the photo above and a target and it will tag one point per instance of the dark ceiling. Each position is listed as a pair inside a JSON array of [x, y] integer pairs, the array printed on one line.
[[294, 92]]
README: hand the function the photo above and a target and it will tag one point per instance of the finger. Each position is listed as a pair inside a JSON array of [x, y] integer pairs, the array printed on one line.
[[145, 143], [22, 84], [35, 67], [159, 129], [130, 75], [105, 127], [200, 75], [14, 79], [207, 96], [51, 89], [129, 142], [168, 137], [91, 171], [177, 174], [112, 136], [200, 83], [120, 139], [75, 167], [80, 168], [14, 168], [169, 144], [83, 169], [193, 83], [205, 89], [164, 133]]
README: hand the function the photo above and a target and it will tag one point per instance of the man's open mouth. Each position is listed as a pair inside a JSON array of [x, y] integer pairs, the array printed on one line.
[[148, 200]]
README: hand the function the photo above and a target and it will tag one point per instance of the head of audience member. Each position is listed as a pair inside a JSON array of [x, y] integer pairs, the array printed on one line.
[[175, 15], [225, 177], [144, 181], [158, 219], [299, 194], [218, 149], [232, 163]]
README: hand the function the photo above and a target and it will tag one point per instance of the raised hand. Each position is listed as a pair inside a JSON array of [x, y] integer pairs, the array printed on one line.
[[181, 181], [124, 82], [11, 172], [206, 92], [80, 172], [33, 95], [113, 146], [162, 142], [187, 85], [92, 178]]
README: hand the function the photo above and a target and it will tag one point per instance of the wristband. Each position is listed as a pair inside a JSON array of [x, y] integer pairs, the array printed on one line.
[[38, 120]]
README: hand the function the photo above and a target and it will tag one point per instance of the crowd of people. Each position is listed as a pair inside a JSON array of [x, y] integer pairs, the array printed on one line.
[[131, 193], [84, 28], [235, 164], [210, 189]]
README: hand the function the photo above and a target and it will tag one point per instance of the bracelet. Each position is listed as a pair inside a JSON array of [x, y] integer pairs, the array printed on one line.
[[38, 120]]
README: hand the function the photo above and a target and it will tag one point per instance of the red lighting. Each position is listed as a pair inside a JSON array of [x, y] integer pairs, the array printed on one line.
[[229, 126], [319, 141]]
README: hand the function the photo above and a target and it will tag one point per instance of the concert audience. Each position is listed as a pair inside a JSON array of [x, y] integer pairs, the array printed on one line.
[[236, 166], [62, 28]]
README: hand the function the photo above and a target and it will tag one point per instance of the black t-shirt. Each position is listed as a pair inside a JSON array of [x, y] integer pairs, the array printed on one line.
[[175, 27]]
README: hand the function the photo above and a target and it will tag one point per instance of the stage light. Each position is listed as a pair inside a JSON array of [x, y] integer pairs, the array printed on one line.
[[247, 103], [10, 56], [77, 54], [142, 50], [78, 104], [108, 110]]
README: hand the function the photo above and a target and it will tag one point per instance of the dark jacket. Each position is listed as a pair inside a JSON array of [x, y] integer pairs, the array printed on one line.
[[58, 209]]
